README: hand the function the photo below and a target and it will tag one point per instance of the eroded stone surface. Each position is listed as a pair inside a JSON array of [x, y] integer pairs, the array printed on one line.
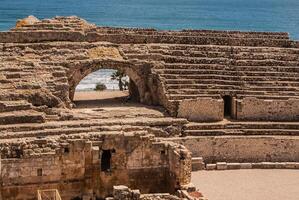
[[200, 75]]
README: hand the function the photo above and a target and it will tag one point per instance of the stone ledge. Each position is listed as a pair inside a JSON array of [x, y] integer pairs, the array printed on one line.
[[260, 165]]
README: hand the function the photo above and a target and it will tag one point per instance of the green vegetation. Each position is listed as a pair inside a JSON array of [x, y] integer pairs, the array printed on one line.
[[100, 87], [120, 77]]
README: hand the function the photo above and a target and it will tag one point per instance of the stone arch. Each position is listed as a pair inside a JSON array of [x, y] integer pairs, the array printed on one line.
[[80, 70]]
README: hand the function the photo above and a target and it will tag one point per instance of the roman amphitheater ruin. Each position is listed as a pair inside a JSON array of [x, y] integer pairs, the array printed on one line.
[[207, 100]]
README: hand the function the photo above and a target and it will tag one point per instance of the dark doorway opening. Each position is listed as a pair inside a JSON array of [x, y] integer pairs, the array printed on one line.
[[227, 105], [106, 160]]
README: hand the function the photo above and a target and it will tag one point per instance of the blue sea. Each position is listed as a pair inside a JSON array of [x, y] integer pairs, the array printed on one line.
[[253, 15]]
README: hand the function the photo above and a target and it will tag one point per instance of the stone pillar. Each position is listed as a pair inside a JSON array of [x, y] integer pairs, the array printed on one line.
[[133, 90]]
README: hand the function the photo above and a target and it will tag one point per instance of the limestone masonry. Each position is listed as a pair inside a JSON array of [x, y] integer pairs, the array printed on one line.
[[221, 96]]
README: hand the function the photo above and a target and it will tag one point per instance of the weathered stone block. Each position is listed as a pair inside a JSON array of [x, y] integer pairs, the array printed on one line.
[[268, 165], [221, 165], [291, 165], [233, 166], [197, 164], [210, 166], [246, 166], [202, 109]]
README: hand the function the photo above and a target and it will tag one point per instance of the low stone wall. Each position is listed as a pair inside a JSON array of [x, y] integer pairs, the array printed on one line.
[[277, 110], [96, 163], [202, 109], [242, 148], [261, 165]]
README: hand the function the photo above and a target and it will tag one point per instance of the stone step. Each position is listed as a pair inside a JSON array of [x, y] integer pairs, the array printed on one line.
[[183, 85], [68, 131], [206, 33], [195, 40], [195, 60], [19, 117], [178, 97], [235, 90], [236, 52], [221, 48], [49, 35], [223, 61], [265, 56], [243, 87], [140, 121], [153, 31], [244, 125], [7, 106], [218, 132], [158, 35], [52, 118], [232, 68], [268, 62], [227, 54], [226, 72], [197, 78], [201, 54], [15, 141], [174, 66]]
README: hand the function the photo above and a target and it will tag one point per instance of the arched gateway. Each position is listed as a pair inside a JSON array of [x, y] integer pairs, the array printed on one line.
[[135, 71], [247, 80]]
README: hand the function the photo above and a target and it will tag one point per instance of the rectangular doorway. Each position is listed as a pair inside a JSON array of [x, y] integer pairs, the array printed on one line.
[[227, 101]]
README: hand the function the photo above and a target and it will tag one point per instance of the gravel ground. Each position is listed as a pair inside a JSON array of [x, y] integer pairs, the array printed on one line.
[[254, 184]]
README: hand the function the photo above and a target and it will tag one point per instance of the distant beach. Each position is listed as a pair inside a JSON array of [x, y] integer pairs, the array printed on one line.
[[101, 76]]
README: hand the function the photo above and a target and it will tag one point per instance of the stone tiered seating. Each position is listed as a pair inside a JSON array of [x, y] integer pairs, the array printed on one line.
[[73, 28], [17, 117], [211, 71], [52, 128], [191, 64]]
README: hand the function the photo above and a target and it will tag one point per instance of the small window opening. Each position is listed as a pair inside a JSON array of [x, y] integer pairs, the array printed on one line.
[[39, 172], [66, 150], [163, 152], [227, 106], [106, 160], [19, 153]]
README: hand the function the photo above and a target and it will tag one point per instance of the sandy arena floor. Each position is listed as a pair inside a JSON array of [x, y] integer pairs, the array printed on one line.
[[98, 95], [112, 104], [255, 184]]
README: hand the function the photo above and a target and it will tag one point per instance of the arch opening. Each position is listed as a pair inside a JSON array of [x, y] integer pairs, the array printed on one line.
[[105, 86]]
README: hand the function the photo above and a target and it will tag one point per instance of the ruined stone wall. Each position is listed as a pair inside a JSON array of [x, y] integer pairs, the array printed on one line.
[[242, 148], [75, 169], [271, 109]]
